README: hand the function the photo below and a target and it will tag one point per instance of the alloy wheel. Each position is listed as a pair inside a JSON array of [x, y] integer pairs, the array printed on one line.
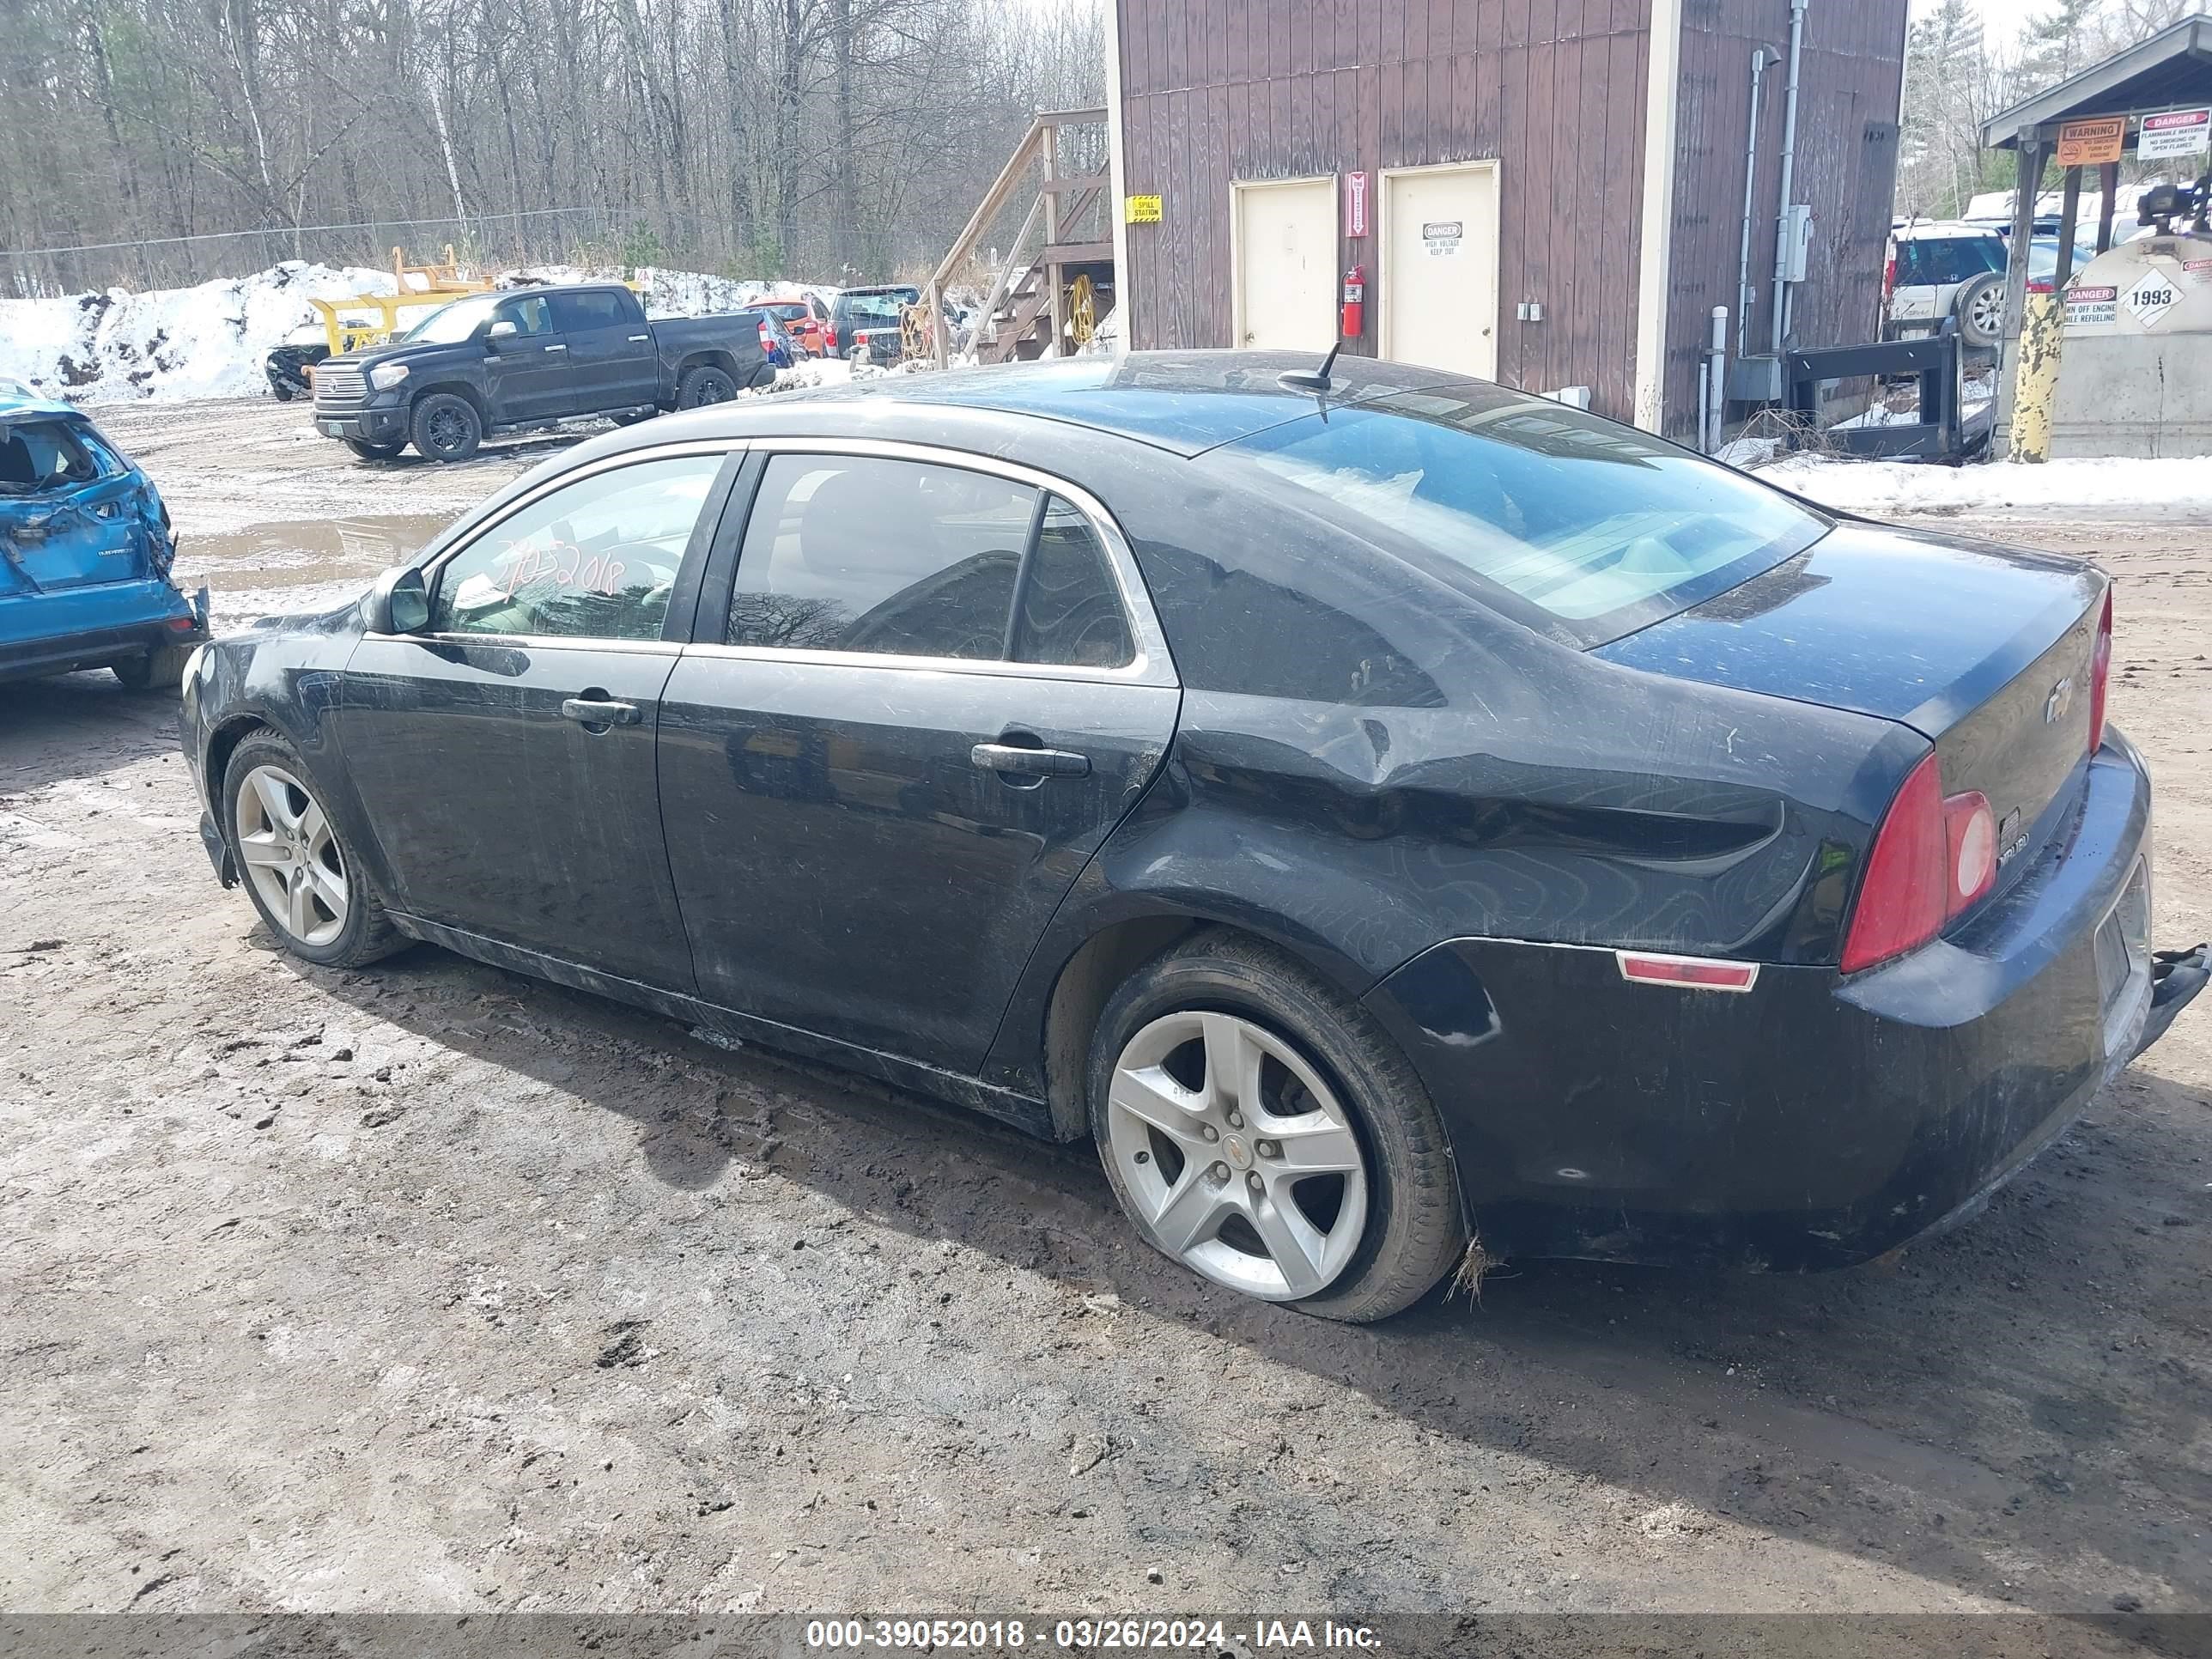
[[1238, 1160], [285, 843], [1989, 310], [448, 430]]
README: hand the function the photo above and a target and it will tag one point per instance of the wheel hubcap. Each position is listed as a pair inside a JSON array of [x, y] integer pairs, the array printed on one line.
[[1238, 1160], [446, 430], [291, 857]]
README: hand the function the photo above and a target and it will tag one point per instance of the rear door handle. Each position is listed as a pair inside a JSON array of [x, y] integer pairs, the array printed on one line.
[[556, 348], [1030, 762], [639, 338], [593, 711]]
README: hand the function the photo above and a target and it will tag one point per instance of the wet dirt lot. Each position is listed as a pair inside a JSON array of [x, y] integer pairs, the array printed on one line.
[[431, 1288]]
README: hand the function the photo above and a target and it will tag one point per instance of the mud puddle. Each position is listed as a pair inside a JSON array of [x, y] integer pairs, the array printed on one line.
[[306, 552]]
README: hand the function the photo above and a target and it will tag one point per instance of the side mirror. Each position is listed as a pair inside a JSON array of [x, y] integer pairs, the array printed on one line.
[[398, 603], [504, 329]]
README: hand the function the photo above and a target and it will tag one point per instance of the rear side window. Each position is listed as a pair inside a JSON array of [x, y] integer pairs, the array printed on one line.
[[1069, 609], [1558, 516], [595, 559], [594, 309], [903, 558]]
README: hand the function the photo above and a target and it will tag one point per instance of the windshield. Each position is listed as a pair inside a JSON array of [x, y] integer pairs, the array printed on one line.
[[450, 324], [2043, 257], [1596, 526]]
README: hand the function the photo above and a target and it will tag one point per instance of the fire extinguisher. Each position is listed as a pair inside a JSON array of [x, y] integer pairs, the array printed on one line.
[[1354, 321]]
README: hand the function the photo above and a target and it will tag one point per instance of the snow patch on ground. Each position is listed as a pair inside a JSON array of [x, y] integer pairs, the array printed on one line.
[[1909, 486], [167, 343], [172, 344]]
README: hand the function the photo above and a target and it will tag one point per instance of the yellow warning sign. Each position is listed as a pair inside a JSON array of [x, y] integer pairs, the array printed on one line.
[[1142, 209]]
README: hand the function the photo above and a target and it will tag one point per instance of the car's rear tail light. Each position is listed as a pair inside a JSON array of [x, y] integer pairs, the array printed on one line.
[[2038, 285], [1901, 899], [830, 336], [1934, 857], [1689, 972], [2100, 674], [1889, 274]]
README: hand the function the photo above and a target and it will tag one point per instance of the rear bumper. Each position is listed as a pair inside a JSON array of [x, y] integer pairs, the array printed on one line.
[[1814, 1120], [64, 629]]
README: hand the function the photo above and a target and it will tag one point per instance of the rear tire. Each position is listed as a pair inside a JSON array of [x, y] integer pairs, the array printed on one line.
[[447, 427], [369, 451], [1320, 1066], [704, 384], [162, 669], [282, 838]]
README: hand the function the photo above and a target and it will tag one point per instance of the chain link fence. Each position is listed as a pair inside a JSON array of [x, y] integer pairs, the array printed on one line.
[[544, 236]]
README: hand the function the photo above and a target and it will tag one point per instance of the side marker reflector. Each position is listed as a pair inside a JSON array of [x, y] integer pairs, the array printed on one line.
[[1687, 973]]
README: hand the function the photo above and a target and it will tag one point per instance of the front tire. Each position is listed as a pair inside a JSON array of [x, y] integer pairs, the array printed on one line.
[[447, 427], [369, 451], [297, 867], [1260, 1129], [704, 384]]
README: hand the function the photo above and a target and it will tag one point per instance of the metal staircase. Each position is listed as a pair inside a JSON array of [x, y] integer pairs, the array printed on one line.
[[1057, 277]]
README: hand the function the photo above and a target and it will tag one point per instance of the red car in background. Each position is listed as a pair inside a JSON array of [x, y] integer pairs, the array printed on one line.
[[803, 319]]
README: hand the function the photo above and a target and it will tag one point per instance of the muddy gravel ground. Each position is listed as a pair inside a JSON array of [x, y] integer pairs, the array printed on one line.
[[431, 1288]]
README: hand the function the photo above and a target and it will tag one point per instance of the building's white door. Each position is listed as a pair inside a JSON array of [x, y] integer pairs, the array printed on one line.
[[1439, 276], [1286, 258]]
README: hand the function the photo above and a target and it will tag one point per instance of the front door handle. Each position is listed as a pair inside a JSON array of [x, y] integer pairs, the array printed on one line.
[[556, 348], [600, 712], [1029, 762]]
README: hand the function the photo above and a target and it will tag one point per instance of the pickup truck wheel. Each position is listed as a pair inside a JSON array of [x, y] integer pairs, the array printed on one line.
[[162, 669], [369, 451], [703, 385], [447, 427]]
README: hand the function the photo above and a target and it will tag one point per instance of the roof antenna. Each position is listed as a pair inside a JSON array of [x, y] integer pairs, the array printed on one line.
[[1312, 380]]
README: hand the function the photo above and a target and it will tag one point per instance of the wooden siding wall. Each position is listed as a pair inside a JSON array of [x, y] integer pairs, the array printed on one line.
[[1849, 82], [1221, 90]]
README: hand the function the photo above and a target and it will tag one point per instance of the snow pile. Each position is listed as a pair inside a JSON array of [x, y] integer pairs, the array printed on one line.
[[168, 344], [1912, 487]]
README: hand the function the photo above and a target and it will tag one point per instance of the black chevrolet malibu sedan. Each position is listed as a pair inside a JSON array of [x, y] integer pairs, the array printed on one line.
[[1385, 815]]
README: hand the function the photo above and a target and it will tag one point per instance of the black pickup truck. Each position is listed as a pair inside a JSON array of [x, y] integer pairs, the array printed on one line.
[[503, 361]]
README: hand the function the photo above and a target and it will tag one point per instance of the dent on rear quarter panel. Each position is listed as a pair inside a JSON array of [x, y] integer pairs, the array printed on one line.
[[1368, 762]]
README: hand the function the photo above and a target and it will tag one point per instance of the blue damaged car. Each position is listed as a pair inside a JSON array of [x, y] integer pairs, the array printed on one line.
[[85, 554]]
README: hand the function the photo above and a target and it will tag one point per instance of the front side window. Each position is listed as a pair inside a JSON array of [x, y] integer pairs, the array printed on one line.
[[905, 558], [1588, 526], [596, 559]]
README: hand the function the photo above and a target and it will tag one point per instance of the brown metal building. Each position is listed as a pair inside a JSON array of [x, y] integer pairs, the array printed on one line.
[[1494, 159]]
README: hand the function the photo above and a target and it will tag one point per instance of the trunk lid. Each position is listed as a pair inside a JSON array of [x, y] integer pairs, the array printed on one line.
[[1984, 650]]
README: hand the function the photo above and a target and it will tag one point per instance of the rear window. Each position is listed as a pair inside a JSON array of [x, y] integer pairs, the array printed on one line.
[[40, 455], [873, 308], [1563, 519]]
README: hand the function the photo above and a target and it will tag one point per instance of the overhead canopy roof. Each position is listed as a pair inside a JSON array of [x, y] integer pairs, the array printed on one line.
[[2172, 68]]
